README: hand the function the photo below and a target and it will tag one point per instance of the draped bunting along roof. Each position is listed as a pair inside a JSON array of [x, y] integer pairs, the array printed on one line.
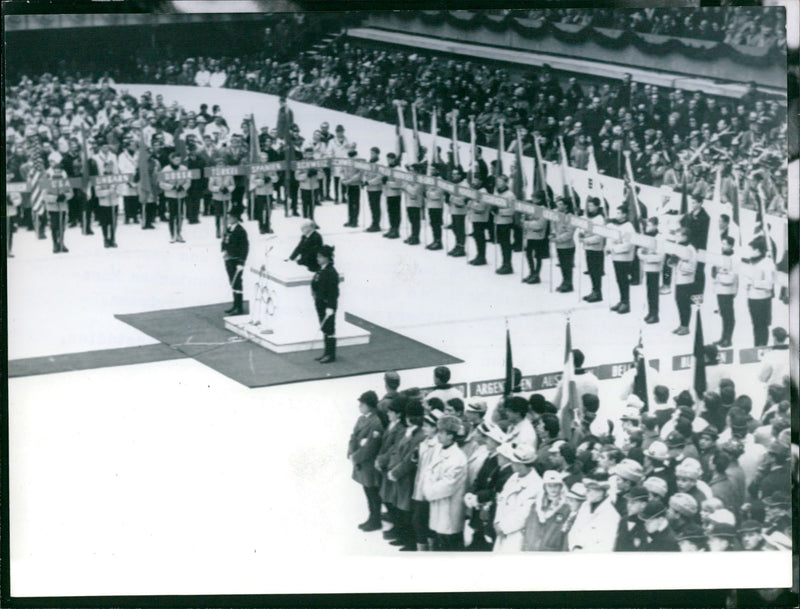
[[579, 34]]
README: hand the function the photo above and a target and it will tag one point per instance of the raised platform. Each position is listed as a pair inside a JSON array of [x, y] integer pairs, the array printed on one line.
[[282, 316], [294, 337]]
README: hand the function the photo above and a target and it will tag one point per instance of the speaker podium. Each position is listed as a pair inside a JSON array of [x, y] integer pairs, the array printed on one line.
[[282, 315]]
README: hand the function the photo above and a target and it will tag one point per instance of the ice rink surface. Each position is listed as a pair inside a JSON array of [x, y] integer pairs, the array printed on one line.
[[168, 477]]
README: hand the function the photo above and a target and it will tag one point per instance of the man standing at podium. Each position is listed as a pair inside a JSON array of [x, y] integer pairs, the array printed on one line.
[[234, 250]]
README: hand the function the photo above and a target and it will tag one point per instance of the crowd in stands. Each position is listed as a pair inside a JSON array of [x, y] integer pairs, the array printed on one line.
[[661, 127], [680, 473], [747, 26]]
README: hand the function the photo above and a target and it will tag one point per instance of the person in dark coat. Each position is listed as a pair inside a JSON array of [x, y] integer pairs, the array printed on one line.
[[697, 221], [309, 246], [401, 471], [391, 437], [481, 497], [235, 247], [660, 536], [365, 442], [325, 288], [631, 534]]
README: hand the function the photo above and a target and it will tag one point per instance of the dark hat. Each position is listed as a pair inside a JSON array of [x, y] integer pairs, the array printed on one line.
[[691, 532], [591, 402], [326, 251], [750, 526], [654, 509], [675, 440], [517, 404], [684, 399], [638, 492], [392, 377], [369, 398], [414, 408], [339, 129], [397, 405], [537, 403], [710, 431]]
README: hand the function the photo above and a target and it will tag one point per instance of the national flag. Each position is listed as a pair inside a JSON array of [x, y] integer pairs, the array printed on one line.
[[761, 218], [684, 196], [501, 146], [456, 156], [509, 379], [253, 152], [568, 405], [415, 155], [640, 385], [700, 384], [147, 193], [595, 186], [37, 172], [473, 160], [735, 205], [85, 159], [517, 179], [714, 237], [569, 192], [633, 201], [180, 141], [433, 158], [541, 186], [400, 146]]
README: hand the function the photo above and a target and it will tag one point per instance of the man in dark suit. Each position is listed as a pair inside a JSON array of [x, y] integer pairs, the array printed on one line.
[[697, 221], [310, 243], [325, 289], [235, 247]]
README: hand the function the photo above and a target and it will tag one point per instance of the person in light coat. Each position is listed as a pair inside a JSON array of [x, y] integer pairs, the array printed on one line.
[[444, 484], [221, 188], [420, 508], [597, 520], [514, 502], [726, 285], [652, 261], [685, 272], [107, 194], [622, 253]]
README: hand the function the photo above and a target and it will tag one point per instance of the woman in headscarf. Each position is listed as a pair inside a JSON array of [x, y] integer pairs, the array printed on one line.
[[544, 529]]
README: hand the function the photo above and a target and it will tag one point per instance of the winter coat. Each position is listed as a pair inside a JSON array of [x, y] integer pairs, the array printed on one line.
[[594, 531], [391, 437], [443, 486], [403, 466], [544, 532], [514, 504], [365, 442]]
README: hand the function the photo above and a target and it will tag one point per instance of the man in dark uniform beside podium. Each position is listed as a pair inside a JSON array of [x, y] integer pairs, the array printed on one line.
[[235, 247], [325, 288]]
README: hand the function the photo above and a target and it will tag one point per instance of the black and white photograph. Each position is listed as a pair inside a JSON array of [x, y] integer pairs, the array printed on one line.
[[400, 301]]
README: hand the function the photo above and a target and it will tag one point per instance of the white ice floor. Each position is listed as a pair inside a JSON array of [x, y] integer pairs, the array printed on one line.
[[170, 478]]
